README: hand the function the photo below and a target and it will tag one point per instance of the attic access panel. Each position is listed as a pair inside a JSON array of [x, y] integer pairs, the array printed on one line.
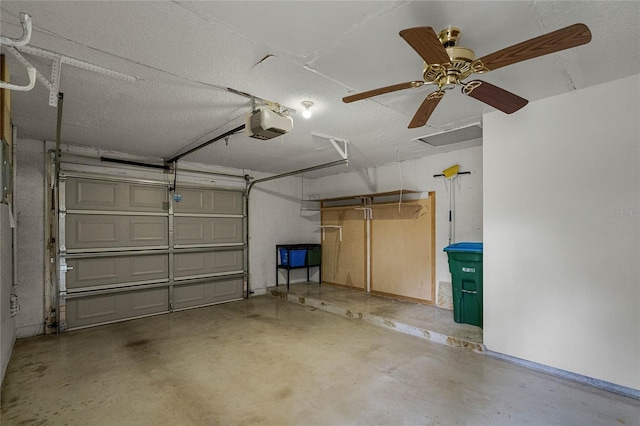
[[463, 134]]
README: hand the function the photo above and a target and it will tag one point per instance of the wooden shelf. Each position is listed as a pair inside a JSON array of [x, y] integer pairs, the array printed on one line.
[[403, 203], [340, 207], [376, 195], [360, 206], [338, 227]]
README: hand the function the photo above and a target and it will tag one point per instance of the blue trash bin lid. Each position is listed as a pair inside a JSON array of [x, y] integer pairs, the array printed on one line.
[[464, 247]]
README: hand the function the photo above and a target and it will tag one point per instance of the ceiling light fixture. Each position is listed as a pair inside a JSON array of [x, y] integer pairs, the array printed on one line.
[[307, 111]]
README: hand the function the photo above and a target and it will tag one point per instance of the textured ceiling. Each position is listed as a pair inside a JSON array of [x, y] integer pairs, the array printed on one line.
[[184, 54]]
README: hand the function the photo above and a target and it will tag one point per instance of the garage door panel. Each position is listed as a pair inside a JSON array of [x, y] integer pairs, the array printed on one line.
[[103, 308], [189, 295], [230, 288], [226, 203], [208, 230], [86, 231], [209, 201], [146, 266], [143, 230], [192, 230], [95, 307], [87, 272], [93, 232], [192, 201], [148, 302], [130, 251], [101, 271], [200, 263], [92, 194], [147, 198]]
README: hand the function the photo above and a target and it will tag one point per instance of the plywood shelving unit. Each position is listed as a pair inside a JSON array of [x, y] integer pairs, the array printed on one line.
[[387, 245]]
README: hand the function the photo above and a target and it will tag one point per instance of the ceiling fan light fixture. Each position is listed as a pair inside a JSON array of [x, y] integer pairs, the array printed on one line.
[[306, 113]]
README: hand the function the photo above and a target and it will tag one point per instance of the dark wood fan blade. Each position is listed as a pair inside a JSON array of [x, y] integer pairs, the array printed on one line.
[[565, 38], [381, 91], [426, 109], [425, 41], [495, 96]]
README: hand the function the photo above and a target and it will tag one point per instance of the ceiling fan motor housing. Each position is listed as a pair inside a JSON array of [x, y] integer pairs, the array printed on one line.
[[446, 76], [459, 68]]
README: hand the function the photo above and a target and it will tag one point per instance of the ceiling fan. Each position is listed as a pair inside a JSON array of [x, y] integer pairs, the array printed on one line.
[[446, 65]]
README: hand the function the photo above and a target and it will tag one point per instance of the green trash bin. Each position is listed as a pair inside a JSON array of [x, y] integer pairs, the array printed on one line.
[[465, 265], [313, 256]]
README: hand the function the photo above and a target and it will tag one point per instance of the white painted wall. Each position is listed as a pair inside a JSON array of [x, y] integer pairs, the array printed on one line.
[[29, 203], [7, 322], [417, 174], [276, 217], [562, 232]]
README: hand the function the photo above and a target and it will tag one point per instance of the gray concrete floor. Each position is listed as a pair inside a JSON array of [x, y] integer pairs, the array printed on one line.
[[267, 361], [425, 321]]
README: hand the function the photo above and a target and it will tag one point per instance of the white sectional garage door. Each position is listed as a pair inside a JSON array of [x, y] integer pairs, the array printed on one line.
[[128, 250]]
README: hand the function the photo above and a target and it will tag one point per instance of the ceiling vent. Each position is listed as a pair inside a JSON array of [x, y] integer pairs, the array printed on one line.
[[450, 137], [266, 124]]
